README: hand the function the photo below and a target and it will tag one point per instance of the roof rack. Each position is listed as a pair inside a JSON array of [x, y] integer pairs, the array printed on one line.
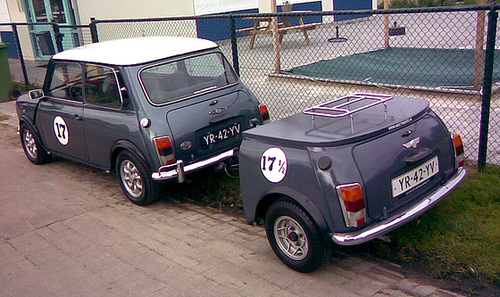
[[341, 109]]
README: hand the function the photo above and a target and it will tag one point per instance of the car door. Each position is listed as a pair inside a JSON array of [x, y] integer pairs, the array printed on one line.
[[106, 119], [60, 112]]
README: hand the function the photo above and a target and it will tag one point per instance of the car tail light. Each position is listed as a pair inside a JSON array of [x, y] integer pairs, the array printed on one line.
[[265, 113], [165, 150], [459, 150], [353, 206]]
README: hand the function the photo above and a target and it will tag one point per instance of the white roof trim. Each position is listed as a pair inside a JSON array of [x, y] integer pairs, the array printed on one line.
[[135, 50]]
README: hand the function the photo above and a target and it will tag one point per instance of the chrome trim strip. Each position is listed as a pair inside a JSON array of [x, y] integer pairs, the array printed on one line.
[[178, 169], [381, 228]]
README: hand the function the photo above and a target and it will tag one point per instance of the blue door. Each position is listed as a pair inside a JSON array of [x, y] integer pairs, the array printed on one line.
[[351, 5]]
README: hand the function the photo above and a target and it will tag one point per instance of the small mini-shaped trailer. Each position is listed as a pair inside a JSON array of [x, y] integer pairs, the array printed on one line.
[[346, 172]]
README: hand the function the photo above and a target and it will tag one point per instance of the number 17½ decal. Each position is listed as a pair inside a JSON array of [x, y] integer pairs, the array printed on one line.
[[61, 130], [273, 164]]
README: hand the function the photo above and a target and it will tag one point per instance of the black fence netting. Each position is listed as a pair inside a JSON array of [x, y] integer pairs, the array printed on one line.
[[294, 60]]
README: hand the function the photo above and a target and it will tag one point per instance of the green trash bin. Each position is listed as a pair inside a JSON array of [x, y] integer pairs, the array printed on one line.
[[5, 78]]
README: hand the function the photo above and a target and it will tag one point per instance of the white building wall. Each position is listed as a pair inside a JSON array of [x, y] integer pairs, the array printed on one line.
[[4, 12], [120, 9]]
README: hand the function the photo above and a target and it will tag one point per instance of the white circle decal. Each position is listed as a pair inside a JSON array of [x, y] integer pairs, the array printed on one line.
[[61, 130], [273, 164]]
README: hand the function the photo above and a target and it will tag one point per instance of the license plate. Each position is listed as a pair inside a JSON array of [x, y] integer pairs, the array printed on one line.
[[221, 135], [415, 177]]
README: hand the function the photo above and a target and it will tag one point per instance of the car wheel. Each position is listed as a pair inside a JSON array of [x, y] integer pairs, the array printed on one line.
[[135, 181], [32, 146], [294, 237]]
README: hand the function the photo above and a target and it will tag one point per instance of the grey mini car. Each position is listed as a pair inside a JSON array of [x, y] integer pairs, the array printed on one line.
[[151, 108], [346, 172]]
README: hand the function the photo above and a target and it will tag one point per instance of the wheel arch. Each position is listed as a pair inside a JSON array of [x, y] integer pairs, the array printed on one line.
[[125, 145], [302, 201], [25, 120]]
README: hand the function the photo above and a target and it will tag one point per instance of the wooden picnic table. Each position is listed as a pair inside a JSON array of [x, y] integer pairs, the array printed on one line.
[[262, 25]]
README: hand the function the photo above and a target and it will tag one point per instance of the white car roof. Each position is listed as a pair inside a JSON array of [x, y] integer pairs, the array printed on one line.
[[134, 51]]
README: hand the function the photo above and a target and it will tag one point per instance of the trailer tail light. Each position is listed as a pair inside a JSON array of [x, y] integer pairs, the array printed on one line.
[[353, 205], [264, 113], [165, 150], [459, 150]]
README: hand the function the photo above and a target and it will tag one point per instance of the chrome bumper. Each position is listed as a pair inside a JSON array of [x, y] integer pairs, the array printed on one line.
[[381, 228], [178, 170]]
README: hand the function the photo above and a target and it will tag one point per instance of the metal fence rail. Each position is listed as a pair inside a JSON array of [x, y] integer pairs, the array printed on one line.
[[445, 55]]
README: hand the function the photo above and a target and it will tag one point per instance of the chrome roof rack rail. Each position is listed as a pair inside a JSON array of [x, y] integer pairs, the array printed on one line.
[[332, 110]]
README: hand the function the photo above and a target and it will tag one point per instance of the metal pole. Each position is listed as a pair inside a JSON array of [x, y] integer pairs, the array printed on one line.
[[234, 44], [93, 30], [487, 84], [20, 54], [59, 37]]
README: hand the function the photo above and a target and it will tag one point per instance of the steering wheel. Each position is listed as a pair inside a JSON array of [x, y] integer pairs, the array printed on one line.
[[75, 92]]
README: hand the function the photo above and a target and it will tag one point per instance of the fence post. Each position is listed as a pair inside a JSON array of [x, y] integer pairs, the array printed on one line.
[[59, 37], [386, 25], [20, 54], [234, 44], [487, 84], [93, 30], [479, 57]]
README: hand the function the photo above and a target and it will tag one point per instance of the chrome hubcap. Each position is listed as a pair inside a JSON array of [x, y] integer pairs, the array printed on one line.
[[30, 144], [291, 238], [131, 178]]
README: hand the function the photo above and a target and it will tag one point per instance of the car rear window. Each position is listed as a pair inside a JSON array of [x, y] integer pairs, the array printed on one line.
[[179, 79]]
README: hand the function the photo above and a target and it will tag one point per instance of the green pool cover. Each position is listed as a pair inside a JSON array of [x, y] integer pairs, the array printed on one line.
[[410, 67]]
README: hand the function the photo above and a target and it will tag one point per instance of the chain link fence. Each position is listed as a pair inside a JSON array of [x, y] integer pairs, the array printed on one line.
[[294, 60], [28, 64]]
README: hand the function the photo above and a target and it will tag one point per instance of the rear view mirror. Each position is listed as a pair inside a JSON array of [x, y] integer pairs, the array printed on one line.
[[36, 94]]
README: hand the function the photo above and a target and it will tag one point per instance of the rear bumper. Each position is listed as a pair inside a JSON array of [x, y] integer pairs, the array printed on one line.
[[178, 170], [383, 227]]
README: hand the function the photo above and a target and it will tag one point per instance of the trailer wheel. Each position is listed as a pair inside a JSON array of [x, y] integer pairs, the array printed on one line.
[[294, 237]]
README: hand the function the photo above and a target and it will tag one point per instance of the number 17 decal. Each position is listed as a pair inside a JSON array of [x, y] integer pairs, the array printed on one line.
[[61, 130], [273, 164]]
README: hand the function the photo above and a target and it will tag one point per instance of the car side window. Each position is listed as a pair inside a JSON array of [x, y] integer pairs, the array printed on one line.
[[101, 87], [66, 81]]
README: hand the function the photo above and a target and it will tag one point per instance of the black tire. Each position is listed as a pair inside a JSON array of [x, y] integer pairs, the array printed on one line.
[[294, 237], [32, 146], [135, 180]]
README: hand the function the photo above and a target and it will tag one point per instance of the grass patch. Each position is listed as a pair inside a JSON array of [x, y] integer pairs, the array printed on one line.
[[3, 117], [459, 239], [23, 88], [209, 188]]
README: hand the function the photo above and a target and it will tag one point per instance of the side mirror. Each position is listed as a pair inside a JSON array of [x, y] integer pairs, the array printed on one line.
[[36, 94]]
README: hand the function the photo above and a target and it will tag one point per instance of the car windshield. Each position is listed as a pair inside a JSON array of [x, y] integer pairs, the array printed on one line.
[[173, 81]]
